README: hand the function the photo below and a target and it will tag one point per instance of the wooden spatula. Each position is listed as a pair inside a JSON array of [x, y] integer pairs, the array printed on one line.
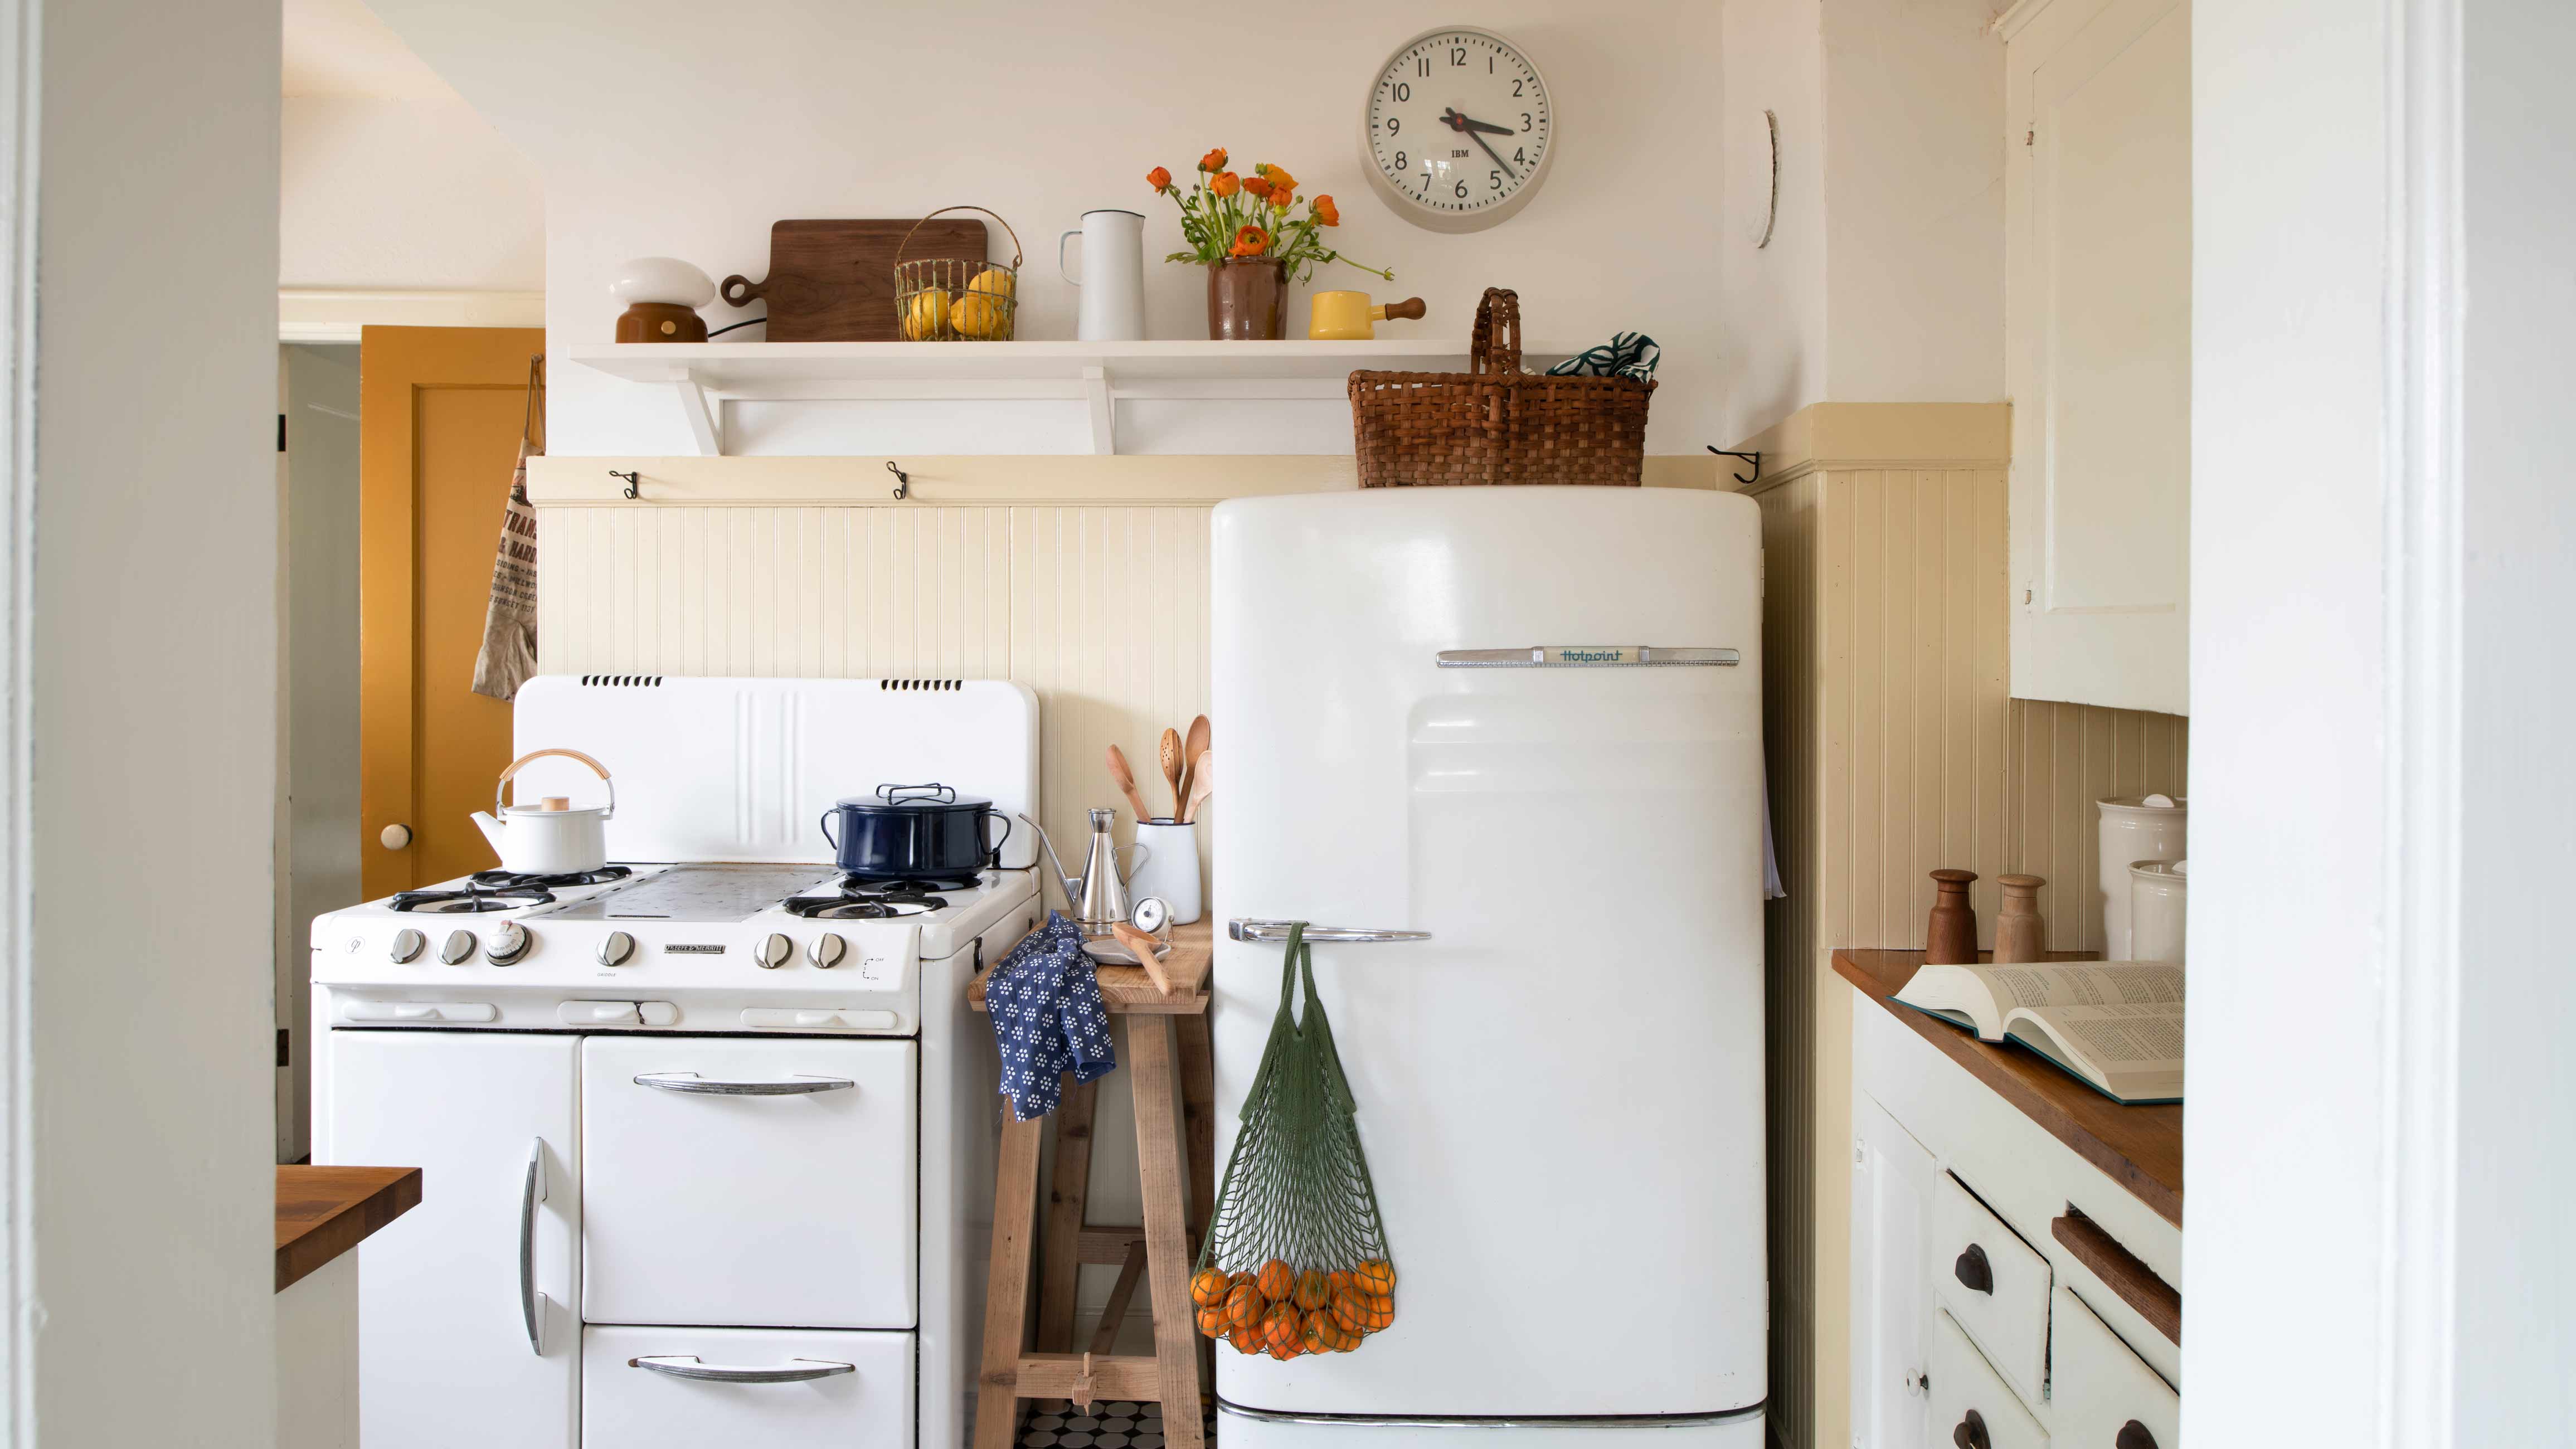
[[1170, 755], [1193, 745], [1202, 786], [1143, 945], [1125, 780]]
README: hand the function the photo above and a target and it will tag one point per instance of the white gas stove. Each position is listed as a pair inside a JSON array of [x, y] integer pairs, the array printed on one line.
[[707, 1140], [700, 947]]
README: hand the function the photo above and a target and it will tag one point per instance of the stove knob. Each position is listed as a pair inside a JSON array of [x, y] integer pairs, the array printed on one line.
[[617, 950], [508, 944], [458, 948], [408, 944], [826, 952], [773, 953]]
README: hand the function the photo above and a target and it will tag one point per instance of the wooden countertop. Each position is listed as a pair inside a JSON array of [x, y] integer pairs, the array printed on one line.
[[1128, 991], [323, 1212], [2140, 1147]]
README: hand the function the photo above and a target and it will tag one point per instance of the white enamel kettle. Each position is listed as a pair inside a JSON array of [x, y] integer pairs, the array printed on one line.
[[550, 837]]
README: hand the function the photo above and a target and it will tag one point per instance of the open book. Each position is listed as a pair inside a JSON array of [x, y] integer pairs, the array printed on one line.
[[2116, 1026]]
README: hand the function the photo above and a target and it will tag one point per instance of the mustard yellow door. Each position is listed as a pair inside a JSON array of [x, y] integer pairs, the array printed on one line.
[[439, 419]]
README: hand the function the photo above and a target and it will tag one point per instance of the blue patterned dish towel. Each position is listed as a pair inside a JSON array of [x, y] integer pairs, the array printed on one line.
[[1631, 355], [1048, 1018]]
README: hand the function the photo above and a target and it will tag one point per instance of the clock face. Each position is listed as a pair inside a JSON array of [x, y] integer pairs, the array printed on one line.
[[1459, 130]]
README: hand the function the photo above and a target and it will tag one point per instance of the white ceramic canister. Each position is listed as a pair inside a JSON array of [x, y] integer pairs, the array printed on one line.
[[2134, 828], [1113, 276], [2156, 892], [1170, 868]]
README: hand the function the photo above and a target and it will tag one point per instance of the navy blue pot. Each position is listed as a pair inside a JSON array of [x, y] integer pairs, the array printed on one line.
[[915, 830]]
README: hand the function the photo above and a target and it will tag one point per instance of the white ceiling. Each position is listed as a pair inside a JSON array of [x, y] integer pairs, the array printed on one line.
[[340, 48]]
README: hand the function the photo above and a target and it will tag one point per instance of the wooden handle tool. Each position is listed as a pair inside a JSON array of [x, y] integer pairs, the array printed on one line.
[[1200, 788], [1125, 780], [1169, 753], [1193, 745], [1144, 947]]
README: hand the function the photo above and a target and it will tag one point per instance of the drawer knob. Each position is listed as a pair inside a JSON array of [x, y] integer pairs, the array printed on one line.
[[2133, 1435], [1971, 1432], [1973, 1271]]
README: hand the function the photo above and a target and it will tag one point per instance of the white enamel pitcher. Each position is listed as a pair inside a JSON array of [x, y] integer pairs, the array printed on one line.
[[550, 837], [1113, 276]]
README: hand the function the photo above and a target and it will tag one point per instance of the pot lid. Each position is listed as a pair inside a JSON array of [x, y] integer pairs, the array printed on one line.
[[2173, 870], [915, 797], [2147, 802], [552, 807]]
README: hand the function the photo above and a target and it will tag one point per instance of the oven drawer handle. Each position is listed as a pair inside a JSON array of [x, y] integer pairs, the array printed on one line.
[[695, 1085], [1246, 929], [794, 1371], [532, 1304]]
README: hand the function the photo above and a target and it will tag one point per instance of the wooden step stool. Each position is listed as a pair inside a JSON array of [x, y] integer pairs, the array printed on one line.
[[1161, 1249]]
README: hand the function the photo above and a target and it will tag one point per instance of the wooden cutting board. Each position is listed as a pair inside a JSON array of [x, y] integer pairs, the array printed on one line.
[[833, 281]]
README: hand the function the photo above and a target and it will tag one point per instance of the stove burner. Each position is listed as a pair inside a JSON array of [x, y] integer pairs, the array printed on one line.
[[862, 899], [473, 900], [514, 879], [909, 886]]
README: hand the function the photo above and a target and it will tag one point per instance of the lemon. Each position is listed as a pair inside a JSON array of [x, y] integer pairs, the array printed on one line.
[[926, 315], [978, 314], [994, 282]]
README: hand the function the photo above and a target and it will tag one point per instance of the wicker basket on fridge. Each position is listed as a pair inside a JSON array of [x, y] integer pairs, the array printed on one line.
[[1495, 424]]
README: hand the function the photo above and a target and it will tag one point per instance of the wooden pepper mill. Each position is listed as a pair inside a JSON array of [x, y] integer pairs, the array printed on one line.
[[1951, 937], [2021, 933]]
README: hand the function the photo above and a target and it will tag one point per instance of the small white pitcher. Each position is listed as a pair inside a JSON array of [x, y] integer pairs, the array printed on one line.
[[1113, 276], [1170, 868]]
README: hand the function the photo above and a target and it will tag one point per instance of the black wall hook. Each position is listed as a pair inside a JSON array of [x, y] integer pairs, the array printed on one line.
[[634, 482], [902, 480], [1754, 458]]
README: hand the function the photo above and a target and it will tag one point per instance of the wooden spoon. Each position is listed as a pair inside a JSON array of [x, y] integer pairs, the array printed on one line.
[[1171, 756], [1143, 945], [1193, 745], [1201, 787], [1125, 779]]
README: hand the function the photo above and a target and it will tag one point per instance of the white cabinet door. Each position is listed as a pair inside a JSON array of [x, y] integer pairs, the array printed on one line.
[[755, 1183], [687, 1388], [1893, 1180], [2099, 333], [447, 1351]]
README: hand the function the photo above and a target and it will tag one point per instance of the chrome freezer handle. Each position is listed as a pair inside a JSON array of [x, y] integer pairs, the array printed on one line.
[[1242, 929], [532, 1304], [794, 1371], [695, 1085]]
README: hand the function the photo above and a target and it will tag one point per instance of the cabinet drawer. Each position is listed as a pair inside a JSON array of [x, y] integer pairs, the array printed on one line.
[[2102, 1389], [701, 1386], [1968, 1397], [1994, 1284]]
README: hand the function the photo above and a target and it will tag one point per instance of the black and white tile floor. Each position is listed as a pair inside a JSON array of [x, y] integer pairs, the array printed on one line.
[[1114, 1425]]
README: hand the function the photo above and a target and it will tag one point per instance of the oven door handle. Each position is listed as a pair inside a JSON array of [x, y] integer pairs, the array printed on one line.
[[794, 1371], [532, 1304], [694, 1085]]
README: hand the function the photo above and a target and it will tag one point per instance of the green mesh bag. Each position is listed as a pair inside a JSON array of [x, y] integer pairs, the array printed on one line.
[[1296, 1259]]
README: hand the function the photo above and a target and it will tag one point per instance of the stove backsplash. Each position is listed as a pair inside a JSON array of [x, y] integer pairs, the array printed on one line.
[[1103, 610]]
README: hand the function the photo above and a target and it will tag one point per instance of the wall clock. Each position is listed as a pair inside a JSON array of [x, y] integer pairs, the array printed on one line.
[[1458, 131]]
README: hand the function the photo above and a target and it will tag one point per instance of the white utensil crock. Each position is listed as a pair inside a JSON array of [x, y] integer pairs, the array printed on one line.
[[1113, 276], [1170, 868], [2134, 828], [535, 840], [2156, 901]]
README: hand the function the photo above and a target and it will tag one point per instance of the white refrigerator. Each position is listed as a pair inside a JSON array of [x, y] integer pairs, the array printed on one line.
[[1501, 749]]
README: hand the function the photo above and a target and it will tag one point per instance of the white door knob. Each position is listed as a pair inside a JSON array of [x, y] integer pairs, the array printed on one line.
[[396, 837]]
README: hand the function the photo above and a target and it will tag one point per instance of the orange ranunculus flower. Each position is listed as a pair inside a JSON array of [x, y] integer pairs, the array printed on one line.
[[1326, 212], [1226, 183], [1279, 176], [1250, 241], [1159, 178], [1256, 185], [1283, 198], [1213, 161]]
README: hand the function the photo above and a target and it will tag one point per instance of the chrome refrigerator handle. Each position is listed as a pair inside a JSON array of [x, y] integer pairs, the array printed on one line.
[[794, 1371], [1243, 929], [532, 1304]]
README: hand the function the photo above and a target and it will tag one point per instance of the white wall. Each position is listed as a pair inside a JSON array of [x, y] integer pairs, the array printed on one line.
[[153, 707], [663, 128], [1884, 278], [2516, 1275], [408, 193]]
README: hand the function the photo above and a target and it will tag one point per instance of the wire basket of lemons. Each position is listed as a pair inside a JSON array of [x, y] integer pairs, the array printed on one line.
[[943, 299]]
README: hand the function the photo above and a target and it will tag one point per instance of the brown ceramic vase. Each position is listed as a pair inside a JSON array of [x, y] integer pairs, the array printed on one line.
[[1247, 300], [1950, 937]]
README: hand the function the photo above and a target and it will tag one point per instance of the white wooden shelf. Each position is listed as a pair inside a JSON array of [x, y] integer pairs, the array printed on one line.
[[703, 375]]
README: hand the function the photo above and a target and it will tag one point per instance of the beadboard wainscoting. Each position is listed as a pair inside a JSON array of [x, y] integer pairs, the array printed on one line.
[[2060, 758]]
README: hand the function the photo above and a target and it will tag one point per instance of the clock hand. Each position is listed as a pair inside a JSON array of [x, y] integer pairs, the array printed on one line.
[[1498, 160], [1459, 122]]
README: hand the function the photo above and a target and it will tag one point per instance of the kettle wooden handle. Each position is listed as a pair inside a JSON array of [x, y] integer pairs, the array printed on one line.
[[501, 790]]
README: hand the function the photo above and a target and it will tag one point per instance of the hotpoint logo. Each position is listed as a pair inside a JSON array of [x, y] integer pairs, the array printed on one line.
[[1590, 656]]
